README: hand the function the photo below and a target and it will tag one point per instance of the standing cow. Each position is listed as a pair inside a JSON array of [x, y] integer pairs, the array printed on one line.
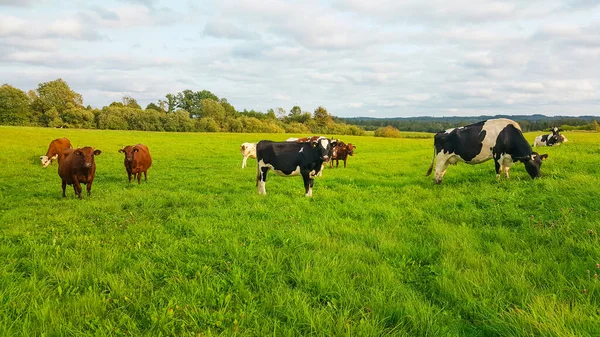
[[137, 161], [248, 150], [76, 167], [56, 146], [554, 138], [341, 151], [315, 139], [290, 159], [500, 139]]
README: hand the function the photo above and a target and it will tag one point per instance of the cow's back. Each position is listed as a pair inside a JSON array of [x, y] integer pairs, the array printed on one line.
[[57, 145], [65, 164], [492, 128], [143, 158]]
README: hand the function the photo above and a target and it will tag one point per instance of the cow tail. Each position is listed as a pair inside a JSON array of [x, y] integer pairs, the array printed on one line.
[[432, 161]]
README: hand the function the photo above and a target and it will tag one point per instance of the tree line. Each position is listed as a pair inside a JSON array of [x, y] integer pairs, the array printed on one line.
[[435, 124], [55, 104]]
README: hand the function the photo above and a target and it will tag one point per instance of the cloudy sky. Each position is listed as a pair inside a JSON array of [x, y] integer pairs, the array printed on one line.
[[380, 58]]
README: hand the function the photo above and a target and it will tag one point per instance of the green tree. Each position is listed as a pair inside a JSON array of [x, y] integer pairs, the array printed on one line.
[[129, 101], [212, 109], [322, 117], [388, 131], [14, 107], [55, 94], [154, 106]]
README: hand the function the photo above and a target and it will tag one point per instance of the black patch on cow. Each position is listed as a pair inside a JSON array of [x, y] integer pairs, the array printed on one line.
[[545, 138], [465, 142], [511, 141]]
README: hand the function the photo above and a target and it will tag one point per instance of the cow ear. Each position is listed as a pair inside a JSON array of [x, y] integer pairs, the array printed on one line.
[[121, 151], [97, 152], [78, 153], [544, 156], [314, 144]]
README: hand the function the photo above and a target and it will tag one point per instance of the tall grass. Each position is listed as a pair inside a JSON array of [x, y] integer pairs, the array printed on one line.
[[378, 250]]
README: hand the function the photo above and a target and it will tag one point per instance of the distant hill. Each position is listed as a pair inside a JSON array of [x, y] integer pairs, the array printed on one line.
[[434, 124]]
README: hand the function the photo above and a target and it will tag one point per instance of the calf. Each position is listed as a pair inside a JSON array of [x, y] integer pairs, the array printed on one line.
[[248, 150], [290, 159], [76, 167], [341, 151], [554, 138], [137, 161], [56, 146], [500, 139]]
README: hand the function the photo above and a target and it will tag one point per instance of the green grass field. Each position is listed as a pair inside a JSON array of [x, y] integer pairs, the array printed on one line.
[[378, 250]]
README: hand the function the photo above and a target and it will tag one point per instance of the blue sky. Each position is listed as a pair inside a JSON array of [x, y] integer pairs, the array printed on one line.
[[382, 58]]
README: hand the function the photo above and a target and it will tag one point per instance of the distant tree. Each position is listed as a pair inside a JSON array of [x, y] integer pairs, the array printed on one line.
[[595, 126], [229, 109], [129, 101], [322, 117], [211, 108], [55, 94], [154, 106], [14, 107], [170, 104]]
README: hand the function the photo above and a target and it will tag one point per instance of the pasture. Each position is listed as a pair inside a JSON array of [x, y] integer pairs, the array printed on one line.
[[378, 250]]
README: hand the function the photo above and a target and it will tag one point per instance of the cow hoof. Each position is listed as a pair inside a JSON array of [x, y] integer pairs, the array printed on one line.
[[437, 182]]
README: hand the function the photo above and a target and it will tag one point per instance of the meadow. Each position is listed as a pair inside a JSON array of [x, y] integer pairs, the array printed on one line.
[[378, 250]]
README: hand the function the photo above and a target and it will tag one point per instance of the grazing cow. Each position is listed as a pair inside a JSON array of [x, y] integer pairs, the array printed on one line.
[[554, 138], [248, 150], [56, 146], [137, 161], [341, 151], [500, 139], [290, 159], [76, 167]]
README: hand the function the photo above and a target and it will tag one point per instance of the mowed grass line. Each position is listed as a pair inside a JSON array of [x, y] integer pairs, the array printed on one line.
[[378, 250]]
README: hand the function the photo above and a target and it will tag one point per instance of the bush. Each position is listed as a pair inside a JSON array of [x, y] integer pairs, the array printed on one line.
[[207, 124], [388, 132], [295, 127]]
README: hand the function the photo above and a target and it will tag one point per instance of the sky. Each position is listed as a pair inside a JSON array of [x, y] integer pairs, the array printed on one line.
[[377, 58]]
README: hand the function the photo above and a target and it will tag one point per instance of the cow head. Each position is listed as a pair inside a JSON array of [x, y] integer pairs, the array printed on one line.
[[350, 148], [86, 155], [45, 161], [129, 151], [324, 149], [533, 163]]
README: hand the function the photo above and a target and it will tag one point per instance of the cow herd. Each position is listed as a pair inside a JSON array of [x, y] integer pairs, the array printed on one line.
[[77, 166], [499, 139]]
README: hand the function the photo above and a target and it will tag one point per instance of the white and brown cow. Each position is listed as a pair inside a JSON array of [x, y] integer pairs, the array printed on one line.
[[248, 150], [500, 139], [56, 147]]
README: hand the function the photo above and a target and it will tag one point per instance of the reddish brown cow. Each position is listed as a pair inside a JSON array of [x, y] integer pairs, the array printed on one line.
[[341, 151], [137, 160], [76, 167], [56, 146]]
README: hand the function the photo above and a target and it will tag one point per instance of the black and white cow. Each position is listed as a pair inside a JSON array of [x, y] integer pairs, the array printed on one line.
[[554, 138], [290, 159], [500, 139]]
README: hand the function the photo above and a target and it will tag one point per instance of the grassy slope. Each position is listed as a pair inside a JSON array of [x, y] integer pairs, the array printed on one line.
[[378, 250]]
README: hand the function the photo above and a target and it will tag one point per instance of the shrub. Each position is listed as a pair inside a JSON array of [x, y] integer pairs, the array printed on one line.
[[388, 132]]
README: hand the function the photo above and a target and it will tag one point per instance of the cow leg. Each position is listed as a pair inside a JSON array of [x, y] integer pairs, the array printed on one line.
[[244, 161], [129, 176], [64, 187], [145, 175], [262, 179], [77, 187], [337, 163], [308, 183], [139, 177], [506, 169], [89, 187], [498, 167], [345, 162]]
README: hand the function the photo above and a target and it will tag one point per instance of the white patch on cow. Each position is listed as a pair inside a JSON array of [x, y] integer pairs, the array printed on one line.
[[538, 141], [492, 128], [301, 149], [443, 160], [291, 139], [450, 130], [261, 188], [296, 172], [505, 162]]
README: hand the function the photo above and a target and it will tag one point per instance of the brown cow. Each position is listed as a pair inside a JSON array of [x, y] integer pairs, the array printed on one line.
[[137, 160], [76, 167], [56, 146], [341, 151]]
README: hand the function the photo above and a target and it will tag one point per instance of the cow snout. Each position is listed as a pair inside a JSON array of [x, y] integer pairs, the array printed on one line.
[[87, 165], [325, 158]]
